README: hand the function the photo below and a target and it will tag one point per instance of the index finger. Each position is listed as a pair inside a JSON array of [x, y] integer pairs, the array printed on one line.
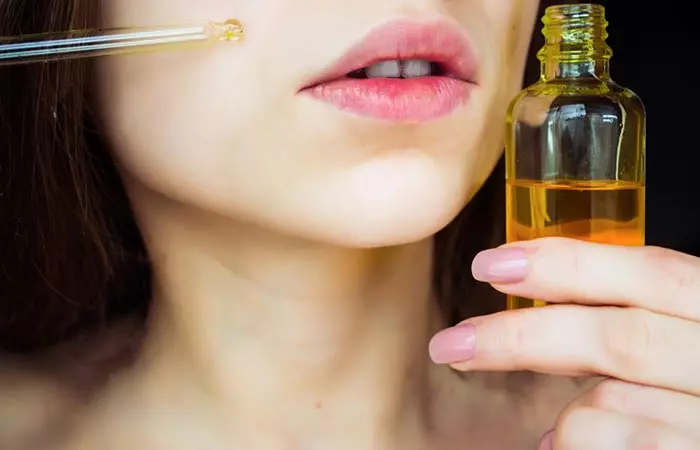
[[561, 270]]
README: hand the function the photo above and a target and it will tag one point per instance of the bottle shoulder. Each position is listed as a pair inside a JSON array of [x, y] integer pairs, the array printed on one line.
[[592, 87], [545, 96]]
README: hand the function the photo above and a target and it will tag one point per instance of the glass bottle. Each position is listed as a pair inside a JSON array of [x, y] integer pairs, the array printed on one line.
[[575, 142]]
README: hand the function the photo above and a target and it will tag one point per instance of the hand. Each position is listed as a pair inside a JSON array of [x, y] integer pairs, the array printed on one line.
[[628, 313]]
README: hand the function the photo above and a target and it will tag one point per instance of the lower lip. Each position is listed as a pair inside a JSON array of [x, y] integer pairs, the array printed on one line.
[[395, 99]]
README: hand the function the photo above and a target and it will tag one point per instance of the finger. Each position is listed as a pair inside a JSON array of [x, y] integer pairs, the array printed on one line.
[[588, 428], [561, 270], [679, 410], [630, 344]]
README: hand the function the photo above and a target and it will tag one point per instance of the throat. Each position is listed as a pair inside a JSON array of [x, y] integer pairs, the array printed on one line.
[[294, 343]]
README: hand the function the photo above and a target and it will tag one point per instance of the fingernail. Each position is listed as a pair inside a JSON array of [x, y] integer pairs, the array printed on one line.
[[453, 345], [500, 265], [547, 442]]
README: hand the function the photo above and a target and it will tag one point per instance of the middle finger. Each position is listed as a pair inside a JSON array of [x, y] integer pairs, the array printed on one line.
[[630, 344]]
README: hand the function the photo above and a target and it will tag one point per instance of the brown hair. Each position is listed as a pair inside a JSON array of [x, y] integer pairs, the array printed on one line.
[[73, 259]]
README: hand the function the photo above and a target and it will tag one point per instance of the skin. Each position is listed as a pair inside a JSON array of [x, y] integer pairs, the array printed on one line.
[[292, 250], [269, 217], [631, 314]]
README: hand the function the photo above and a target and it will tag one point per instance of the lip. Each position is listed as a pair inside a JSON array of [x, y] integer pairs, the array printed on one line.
[[395, 99]]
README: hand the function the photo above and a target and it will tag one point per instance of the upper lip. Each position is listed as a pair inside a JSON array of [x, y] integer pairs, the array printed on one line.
[[439, 41]]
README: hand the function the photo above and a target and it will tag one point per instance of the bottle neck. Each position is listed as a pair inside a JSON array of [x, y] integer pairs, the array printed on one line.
[[557, 69], [575, 43]]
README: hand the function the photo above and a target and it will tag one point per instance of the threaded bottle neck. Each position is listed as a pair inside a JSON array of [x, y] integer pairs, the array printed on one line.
[[575, 41]]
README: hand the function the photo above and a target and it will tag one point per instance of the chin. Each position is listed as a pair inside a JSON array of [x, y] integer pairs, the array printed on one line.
[[390, 232], [374, 206], [397, 225]]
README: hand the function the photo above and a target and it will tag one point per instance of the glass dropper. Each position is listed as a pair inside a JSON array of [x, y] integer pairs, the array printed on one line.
[[90, 43]]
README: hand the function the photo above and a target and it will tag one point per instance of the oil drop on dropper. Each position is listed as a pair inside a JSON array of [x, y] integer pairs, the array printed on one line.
[[575, 142]]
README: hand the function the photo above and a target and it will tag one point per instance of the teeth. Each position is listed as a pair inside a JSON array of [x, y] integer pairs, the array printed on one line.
[[386, 69], [416, 68], [411, 68]]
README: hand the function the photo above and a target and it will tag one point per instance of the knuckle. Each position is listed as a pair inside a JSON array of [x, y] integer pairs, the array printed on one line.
[[563, 257], [517, 337], [514, 340], [611, 395], [571, 263], [571, 258], [630, 340], [574, 427], [680, 274]]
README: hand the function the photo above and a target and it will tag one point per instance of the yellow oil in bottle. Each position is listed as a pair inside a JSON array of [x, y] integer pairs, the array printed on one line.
[[604, 212], [575, 142]]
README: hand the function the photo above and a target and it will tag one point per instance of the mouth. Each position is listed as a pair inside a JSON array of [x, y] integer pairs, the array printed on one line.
[[401, 72]]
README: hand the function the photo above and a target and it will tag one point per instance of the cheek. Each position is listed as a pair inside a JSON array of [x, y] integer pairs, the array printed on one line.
[[138, 13], [169, 119], [503, 32], [214, 124], [175, 119], [518, 29]]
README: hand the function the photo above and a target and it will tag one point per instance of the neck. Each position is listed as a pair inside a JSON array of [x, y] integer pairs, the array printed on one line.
[[291, 335]]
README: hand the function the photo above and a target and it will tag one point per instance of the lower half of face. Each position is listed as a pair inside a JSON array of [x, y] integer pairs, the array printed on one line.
[[363, 123]]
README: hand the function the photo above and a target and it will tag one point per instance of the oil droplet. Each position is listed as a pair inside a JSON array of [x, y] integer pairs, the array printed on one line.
[[233, 30]]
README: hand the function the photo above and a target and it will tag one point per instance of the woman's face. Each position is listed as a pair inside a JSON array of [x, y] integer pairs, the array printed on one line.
[[262, 132]]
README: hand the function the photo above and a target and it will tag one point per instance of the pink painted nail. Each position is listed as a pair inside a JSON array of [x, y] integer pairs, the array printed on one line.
[[453, 345], [547, 442], [500, 265]]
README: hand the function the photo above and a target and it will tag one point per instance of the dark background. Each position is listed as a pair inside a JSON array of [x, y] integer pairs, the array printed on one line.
[[654, 55]]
